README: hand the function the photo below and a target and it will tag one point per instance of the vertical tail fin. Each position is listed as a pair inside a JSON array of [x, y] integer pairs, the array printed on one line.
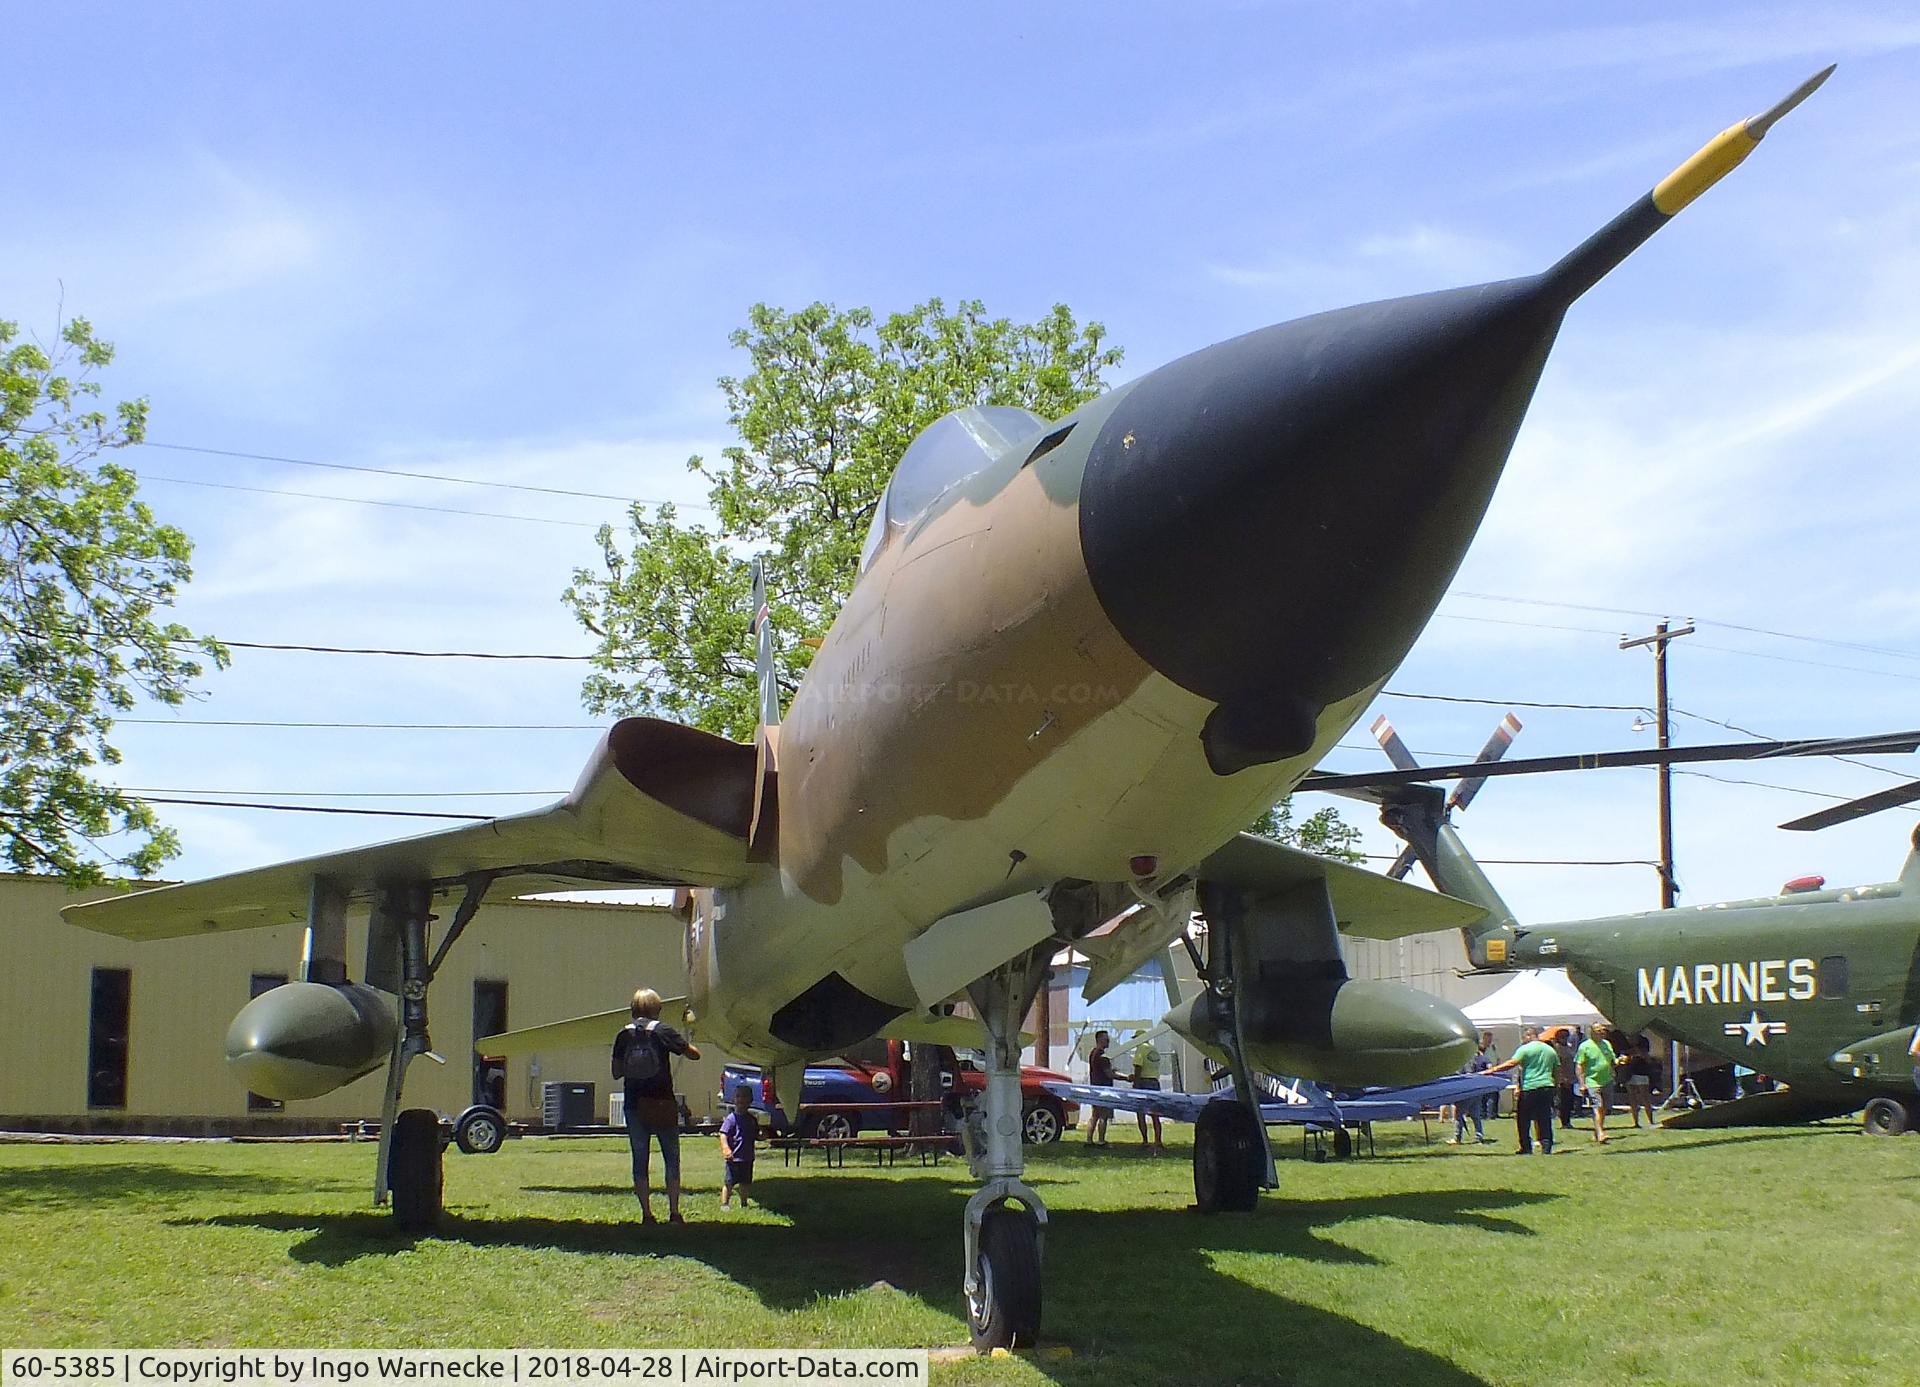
[[762, 630]]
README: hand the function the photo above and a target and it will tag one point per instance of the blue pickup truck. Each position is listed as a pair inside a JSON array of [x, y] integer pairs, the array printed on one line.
[[848, 1096]]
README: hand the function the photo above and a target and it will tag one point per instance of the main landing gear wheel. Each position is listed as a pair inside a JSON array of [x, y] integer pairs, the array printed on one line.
[[1342, 1143], [479, 1131], [1885, 1117], [1005, 1311], [1227, 1159], [413, 1170], [1041, 1124]]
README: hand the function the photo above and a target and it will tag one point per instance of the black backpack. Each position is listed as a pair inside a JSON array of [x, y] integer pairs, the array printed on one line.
[[646, 1056]]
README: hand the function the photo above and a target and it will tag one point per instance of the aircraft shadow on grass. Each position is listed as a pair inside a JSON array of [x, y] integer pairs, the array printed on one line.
[[76, 1187], [1122, 1292]]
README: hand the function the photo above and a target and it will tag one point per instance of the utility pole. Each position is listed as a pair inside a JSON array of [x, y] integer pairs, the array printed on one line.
[[1668, 893], [1658, 640]]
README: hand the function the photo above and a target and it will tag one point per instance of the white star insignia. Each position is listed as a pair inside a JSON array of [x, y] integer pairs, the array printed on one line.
[[1755, 1029]]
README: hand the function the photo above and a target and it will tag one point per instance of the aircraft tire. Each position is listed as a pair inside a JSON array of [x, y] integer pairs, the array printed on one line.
[[1005, 1311], [1227, 1159], [1342, 1143], [480, 1130], [413, 1170], [1885, 1117]]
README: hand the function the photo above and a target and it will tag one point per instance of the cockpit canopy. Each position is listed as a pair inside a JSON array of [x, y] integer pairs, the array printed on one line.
[[948, 451]]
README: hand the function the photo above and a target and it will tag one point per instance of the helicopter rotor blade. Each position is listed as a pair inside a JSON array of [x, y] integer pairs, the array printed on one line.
[[1857, 808], [1495, 748], [1880, 743], [1390, 743]]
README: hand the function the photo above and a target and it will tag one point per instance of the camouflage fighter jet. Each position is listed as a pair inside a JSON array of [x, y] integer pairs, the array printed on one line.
[[1080, 654]]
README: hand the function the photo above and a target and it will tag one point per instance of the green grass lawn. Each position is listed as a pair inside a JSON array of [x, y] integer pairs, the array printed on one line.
[[1712, 1257]]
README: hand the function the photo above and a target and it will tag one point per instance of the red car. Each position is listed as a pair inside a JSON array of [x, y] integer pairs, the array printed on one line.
[[1043, 1117], [845, 1097]]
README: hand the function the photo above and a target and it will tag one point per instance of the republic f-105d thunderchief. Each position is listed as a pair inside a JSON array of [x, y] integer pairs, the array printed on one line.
[[1080, 654]]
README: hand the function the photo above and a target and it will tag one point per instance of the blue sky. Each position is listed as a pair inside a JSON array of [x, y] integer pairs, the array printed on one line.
[[487, 242]]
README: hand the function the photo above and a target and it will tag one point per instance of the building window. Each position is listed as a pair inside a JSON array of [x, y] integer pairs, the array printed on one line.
[[258, 983], [1834, 978], [489, 1018], [107, 1038]]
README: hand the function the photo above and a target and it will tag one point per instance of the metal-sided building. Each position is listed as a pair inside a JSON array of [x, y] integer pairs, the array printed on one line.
[[106, 1035]]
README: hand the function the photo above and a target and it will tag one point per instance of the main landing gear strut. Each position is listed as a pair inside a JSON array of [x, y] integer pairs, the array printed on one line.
[[408, 1169], [1006, 1223], [1232, 1160]]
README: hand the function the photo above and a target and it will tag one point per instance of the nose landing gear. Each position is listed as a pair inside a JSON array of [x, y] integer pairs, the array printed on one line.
[[1005, 1230]]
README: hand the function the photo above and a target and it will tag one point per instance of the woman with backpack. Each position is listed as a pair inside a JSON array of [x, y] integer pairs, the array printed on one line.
[[640, 1059]]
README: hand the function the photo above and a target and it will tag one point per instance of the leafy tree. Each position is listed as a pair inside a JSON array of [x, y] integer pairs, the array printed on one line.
[[85, 568], [1322, 831], [830, 401]]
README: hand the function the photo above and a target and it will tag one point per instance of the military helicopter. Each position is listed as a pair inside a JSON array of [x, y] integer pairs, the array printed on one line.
[[1817, 987], [1079, 654]]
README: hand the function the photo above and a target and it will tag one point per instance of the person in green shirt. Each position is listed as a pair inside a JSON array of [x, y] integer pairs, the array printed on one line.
[[1146, 1074], [1595, 1063], [1539, 1068]]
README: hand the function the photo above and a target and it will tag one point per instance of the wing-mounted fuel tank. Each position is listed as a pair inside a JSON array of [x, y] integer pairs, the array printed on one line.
[[1281, 988], [1345, 1032], [303, 1039]]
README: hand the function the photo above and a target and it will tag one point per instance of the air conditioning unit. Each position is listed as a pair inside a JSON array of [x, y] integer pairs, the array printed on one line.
[[564, 1105]]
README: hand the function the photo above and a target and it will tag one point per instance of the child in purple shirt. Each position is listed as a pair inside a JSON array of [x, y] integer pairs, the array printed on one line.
[[737, 1136]]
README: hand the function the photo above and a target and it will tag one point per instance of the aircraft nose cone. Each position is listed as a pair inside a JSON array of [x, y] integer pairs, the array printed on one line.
[[1270, 522]]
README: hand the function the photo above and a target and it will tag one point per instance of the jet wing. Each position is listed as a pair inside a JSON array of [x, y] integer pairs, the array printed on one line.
[[659, 804], [1365, 904], [575, 1033]]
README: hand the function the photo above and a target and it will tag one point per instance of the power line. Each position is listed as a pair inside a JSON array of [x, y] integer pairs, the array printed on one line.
[[1791, 660], [1530, 625], [530, 488], [1892, 651], [374, 726], [1767, 784], [325, 809], [1750, 732], [427, 476], [144, 790], [367, 501], [1518, 702], [377, 650]]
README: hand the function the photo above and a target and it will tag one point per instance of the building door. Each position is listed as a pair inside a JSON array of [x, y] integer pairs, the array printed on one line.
[[489, 1018], [107, 1038]]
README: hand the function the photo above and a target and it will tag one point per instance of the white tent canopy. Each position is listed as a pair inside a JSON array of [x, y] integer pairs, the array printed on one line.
[[1534, 997]]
